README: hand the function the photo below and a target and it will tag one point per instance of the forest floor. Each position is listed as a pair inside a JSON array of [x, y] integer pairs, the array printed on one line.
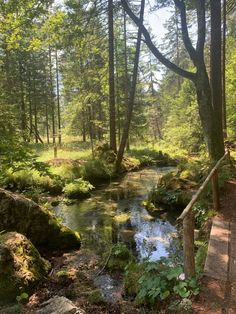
[[219, 297]]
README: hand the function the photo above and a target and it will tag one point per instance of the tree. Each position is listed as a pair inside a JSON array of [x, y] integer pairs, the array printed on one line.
[[209, 114], [130, 103], [112, 107]]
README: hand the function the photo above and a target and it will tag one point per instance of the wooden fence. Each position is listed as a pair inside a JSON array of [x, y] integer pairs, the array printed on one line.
[[188, 219]]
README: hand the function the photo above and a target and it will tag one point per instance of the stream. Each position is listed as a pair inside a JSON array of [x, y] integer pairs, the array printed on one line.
[[114, 213]]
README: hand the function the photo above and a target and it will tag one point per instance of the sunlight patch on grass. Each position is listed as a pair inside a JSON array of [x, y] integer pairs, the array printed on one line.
[[64, 154]]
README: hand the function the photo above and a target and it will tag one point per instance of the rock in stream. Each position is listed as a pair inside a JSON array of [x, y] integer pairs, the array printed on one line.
[[35, 222]]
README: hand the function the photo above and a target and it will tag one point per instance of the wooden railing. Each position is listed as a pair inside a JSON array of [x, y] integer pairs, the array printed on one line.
[[188, 219]]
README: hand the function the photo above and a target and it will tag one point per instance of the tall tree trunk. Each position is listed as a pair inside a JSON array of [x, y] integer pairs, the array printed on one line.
[[126, 71], [52, 103], [223, 70], [35, 107], [30, 105], [91, 135], [22, 104], [58, 100], [177, 46], [118, 98], [112, 107], [84, 125], [130, 106], [100, 115], [216, 72], [213, 138]]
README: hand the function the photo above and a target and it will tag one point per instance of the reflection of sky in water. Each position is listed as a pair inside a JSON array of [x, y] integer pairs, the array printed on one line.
[[93, 217], [153, 237]]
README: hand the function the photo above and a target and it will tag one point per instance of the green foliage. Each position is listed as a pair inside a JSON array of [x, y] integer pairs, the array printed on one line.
[[104, 152], [31, 181], [200, 256], [202, 212], [148, 156], [78, 189], [231, 83], [95, 170], [159, 282], [194, 170], [225, 173], [23, 297], [174, 199], [120, 257], [67, 172], [133, 272]]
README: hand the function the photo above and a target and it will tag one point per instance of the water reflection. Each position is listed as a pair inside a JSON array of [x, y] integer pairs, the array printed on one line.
[[114, 214]]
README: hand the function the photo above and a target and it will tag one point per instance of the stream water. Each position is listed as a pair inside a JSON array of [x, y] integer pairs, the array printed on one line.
[[114, 213]]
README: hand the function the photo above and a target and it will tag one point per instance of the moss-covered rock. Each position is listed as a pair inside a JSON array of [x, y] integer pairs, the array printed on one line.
[[94, 296], [35, 222], [21, 266], [172, 192], [120, 257]]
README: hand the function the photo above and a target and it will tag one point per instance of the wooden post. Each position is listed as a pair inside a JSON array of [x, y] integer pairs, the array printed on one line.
[[55, 151], [188, 243], [215, 190]]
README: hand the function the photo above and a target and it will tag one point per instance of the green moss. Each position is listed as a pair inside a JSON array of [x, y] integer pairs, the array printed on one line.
[[21, 266], [120, 257], [121, 218], [94, 296], [172, 192], [35, 222], [63, 273]]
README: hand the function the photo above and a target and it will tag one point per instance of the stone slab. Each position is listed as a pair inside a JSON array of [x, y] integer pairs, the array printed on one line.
[[59, 305], [216, 265]]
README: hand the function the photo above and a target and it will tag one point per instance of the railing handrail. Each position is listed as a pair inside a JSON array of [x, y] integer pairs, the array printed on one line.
[[187, 218], [202, 188]]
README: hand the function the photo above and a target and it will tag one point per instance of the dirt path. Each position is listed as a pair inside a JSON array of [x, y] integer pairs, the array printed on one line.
[[219, 297]]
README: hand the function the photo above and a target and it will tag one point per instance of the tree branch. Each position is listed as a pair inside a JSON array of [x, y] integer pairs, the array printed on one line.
[[201, 21], [180, 4], [173, 67]]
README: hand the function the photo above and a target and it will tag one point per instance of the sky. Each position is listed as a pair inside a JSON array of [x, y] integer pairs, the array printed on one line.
[[156, 20]]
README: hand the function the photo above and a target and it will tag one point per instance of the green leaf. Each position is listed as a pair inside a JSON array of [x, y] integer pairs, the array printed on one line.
[[164, 295], [174, 273]]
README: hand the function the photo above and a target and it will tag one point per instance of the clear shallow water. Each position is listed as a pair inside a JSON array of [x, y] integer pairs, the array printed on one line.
[[115, 214]]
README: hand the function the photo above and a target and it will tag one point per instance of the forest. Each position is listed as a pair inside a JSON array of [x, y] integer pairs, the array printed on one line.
[[117, 156]]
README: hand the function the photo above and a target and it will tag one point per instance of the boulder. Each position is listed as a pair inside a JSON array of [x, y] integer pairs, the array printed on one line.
[[59, 305], [35, 222], [21, 266]]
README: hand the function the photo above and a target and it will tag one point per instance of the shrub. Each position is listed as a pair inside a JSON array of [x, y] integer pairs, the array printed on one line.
[[68, 171], [104, 152], [148, 156], [159, 281], [120, 257], [78, 189], [174, 199], [96, 170], [200, 256], [26, 180]]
